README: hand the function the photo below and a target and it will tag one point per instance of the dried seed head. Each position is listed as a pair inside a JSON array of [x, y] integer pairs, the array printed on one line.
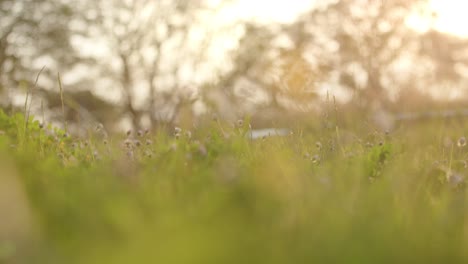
[[129, 132], [105, 142], [188, 134], [177, 130], [41, 125], [461, 142], [140, 133], [147, 131], [177, 135], [148, 142], [240, 123]]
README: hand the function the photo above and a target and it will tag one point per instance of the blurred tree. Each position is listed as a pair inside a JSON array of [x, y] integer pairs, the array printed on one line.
[[32, 33], [149, 53], [368, 38], [358, 45]]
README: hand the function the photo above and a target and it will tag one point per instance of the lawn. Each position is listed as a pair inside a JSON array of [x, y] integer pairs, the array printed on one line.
[[329, 192]]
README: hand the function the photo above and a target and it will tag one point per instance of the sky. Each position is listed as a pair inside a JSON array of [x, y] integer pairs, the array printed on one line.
[[450, 17]]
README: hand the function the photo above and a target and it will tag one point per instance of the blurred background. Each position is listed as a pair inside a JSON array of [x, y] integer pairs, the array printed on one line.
[[150, 63]]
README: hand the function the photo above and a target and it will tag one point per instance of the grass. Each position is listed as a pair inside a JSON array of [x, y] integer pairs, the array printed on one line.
[[324, 194]]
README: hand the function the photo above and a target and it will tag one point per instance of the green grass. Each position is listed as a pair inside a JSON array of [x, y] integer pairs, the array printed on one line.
[[357, 196]]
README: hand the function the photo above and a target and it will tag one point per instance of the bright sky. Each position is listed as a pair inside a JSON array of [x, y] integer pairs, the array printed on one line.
[[451, 17], [284, 11]]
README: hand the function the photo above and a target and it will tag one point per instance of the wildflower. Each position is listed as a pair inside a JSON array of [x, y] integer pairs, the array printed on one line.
[[137, 143], [188, 134], [149, 154], [447, 142], [173, 147], [318, 144], [99, 127], [461, 142], [455, 179], [316, 158], [140, 133], [128, 143], [202, 149]]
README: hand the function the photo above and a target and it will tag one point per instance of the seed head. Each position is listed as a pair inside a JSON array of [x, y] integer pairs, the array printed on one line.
[[140, 133], [177, 130], [240, 123], [129, 132], [461, 142]]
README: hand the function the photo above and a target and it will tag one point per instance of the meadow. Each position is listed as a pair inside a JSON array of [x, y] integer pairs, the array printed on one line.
[[335, 190]]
